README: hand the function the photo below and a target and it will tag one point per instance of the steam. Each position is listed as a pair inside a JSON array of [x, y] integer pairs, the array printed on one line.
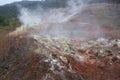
[[39, 15], [56, 22]]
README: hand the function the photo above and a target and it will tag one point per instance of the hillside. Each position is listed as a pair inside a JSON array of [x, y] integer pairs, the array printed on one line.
[[68, 43], [9, 12]]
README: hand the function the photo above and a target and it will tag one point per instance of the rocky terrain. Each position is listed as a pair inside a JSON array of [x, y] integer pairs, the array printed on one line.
[[51, 59], [88, 53]]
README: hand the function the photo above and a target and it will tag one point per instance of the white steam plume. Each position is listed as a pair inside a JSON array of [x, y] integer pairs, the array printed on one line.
[[56, 22], [39, 15]]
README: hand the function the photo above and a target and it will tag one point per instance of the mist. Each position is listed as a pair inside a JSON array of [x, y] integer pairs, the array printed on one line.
[[58, 22], [56, 15]]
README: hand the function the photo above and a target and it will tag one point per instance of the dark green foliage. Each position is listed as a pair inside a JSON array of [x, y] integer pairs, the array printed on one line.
[[9, 12], [8, 16], [6, 23]]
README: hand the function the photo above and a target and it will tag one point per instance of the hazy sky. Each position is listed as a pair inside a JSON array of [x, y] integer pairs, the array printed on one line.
[[2, 2]]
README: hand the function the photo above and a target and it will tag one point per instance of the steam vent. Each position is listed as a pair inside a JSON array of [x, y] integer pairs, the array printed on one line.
[[60, 40]]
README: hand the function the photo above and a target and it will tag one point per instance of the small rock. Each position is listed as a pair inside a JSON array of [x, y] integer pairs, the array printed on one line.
[[114, 59]]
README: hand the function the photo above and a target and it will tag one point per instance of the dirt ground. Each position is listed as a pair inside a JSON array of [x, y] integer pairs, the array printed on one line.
[[25, 58]]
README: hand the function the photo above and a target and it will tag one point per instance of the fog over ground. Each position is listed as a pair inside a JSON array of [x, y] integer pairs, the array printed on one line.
[[74, 21]]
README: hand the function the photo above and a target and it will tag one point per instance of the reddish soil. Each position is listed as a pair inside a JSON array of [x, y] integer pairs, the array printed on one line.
[[18, 61]]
